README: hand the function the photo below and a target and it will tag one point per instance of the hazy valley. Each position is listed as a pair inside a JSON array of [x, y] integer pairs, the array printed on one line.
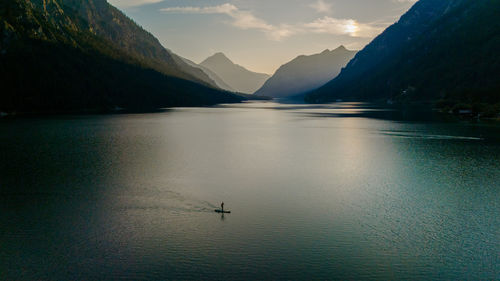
[[249, 140], [90, 56]]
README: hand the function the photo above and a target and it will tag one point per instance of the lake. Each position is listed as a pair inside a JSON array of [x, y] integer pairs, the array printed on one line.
[[338, 191]]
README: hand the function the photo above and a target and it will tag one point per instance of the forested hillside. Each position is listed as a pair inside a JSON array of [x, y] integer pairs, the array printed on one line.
[[445, 52], [53, 59]]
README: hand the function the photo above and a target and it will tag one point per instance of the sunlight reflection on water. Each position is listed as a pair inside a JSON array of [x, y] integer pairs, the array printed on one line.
[[338, 191]]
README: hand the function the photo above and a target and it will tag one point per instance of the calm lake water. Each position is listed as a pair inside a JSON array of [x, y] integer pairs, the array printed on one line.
[[339, 191]]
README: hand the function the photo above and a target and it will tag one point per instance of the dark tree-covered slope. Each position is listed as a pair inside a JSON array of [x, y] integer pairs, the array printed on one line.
[[48, 62], [438, 50], [104, 20]]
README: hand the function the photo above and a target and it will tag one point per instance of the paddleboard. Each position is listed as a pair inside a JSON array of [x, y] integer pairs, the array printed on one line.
[[220, 211]]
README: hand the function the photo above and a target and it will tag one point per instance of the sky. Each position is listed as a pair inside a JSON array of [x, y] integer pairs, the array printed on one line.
[[261, 35]]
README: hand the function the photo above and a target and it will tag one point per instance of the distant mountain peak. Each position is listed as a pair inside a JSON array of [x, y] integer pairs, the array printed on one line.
[[340, 48], [236, 76], [219, 54], [306, 73], [218, 57]]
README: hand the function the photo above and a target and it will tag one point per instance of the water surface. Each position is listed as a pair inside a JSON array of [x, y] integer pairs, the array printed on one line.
[[340, 191]]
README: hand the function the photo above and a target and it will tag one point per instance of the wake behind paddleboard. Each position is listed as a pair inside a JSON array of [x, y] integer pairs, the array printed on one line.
[[223, 212]]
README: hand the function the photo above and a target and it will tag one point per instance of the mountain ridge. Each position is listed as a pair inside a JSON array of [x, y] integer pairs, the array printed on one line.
[[236, 76], [67, 67], [439, 52], [104, 20], [305, 73], [218, 81]]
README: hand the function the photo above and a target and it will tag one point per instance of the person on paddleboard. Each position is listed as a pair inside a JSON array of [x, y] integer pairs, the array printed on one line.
[[222, 206]]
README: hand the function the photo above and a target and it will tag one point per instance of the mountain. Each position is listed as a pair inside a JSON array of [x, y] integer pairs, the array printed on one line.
[[306, 73], [443, 51], [106, 21], [217, 80], [73, 55], [236, 76]]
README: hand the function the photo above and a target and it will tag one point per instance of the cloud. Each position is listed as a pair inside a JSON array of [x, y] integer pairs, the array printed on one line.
[[322, 7], [132, 3], [241, 19], [221, 9], [349, 27], [246, 20]]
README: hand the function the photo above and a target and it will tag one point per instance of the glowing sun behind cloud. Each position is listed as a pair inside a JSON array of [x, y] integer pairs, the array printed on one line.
[[351, 27], [261, 34]]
